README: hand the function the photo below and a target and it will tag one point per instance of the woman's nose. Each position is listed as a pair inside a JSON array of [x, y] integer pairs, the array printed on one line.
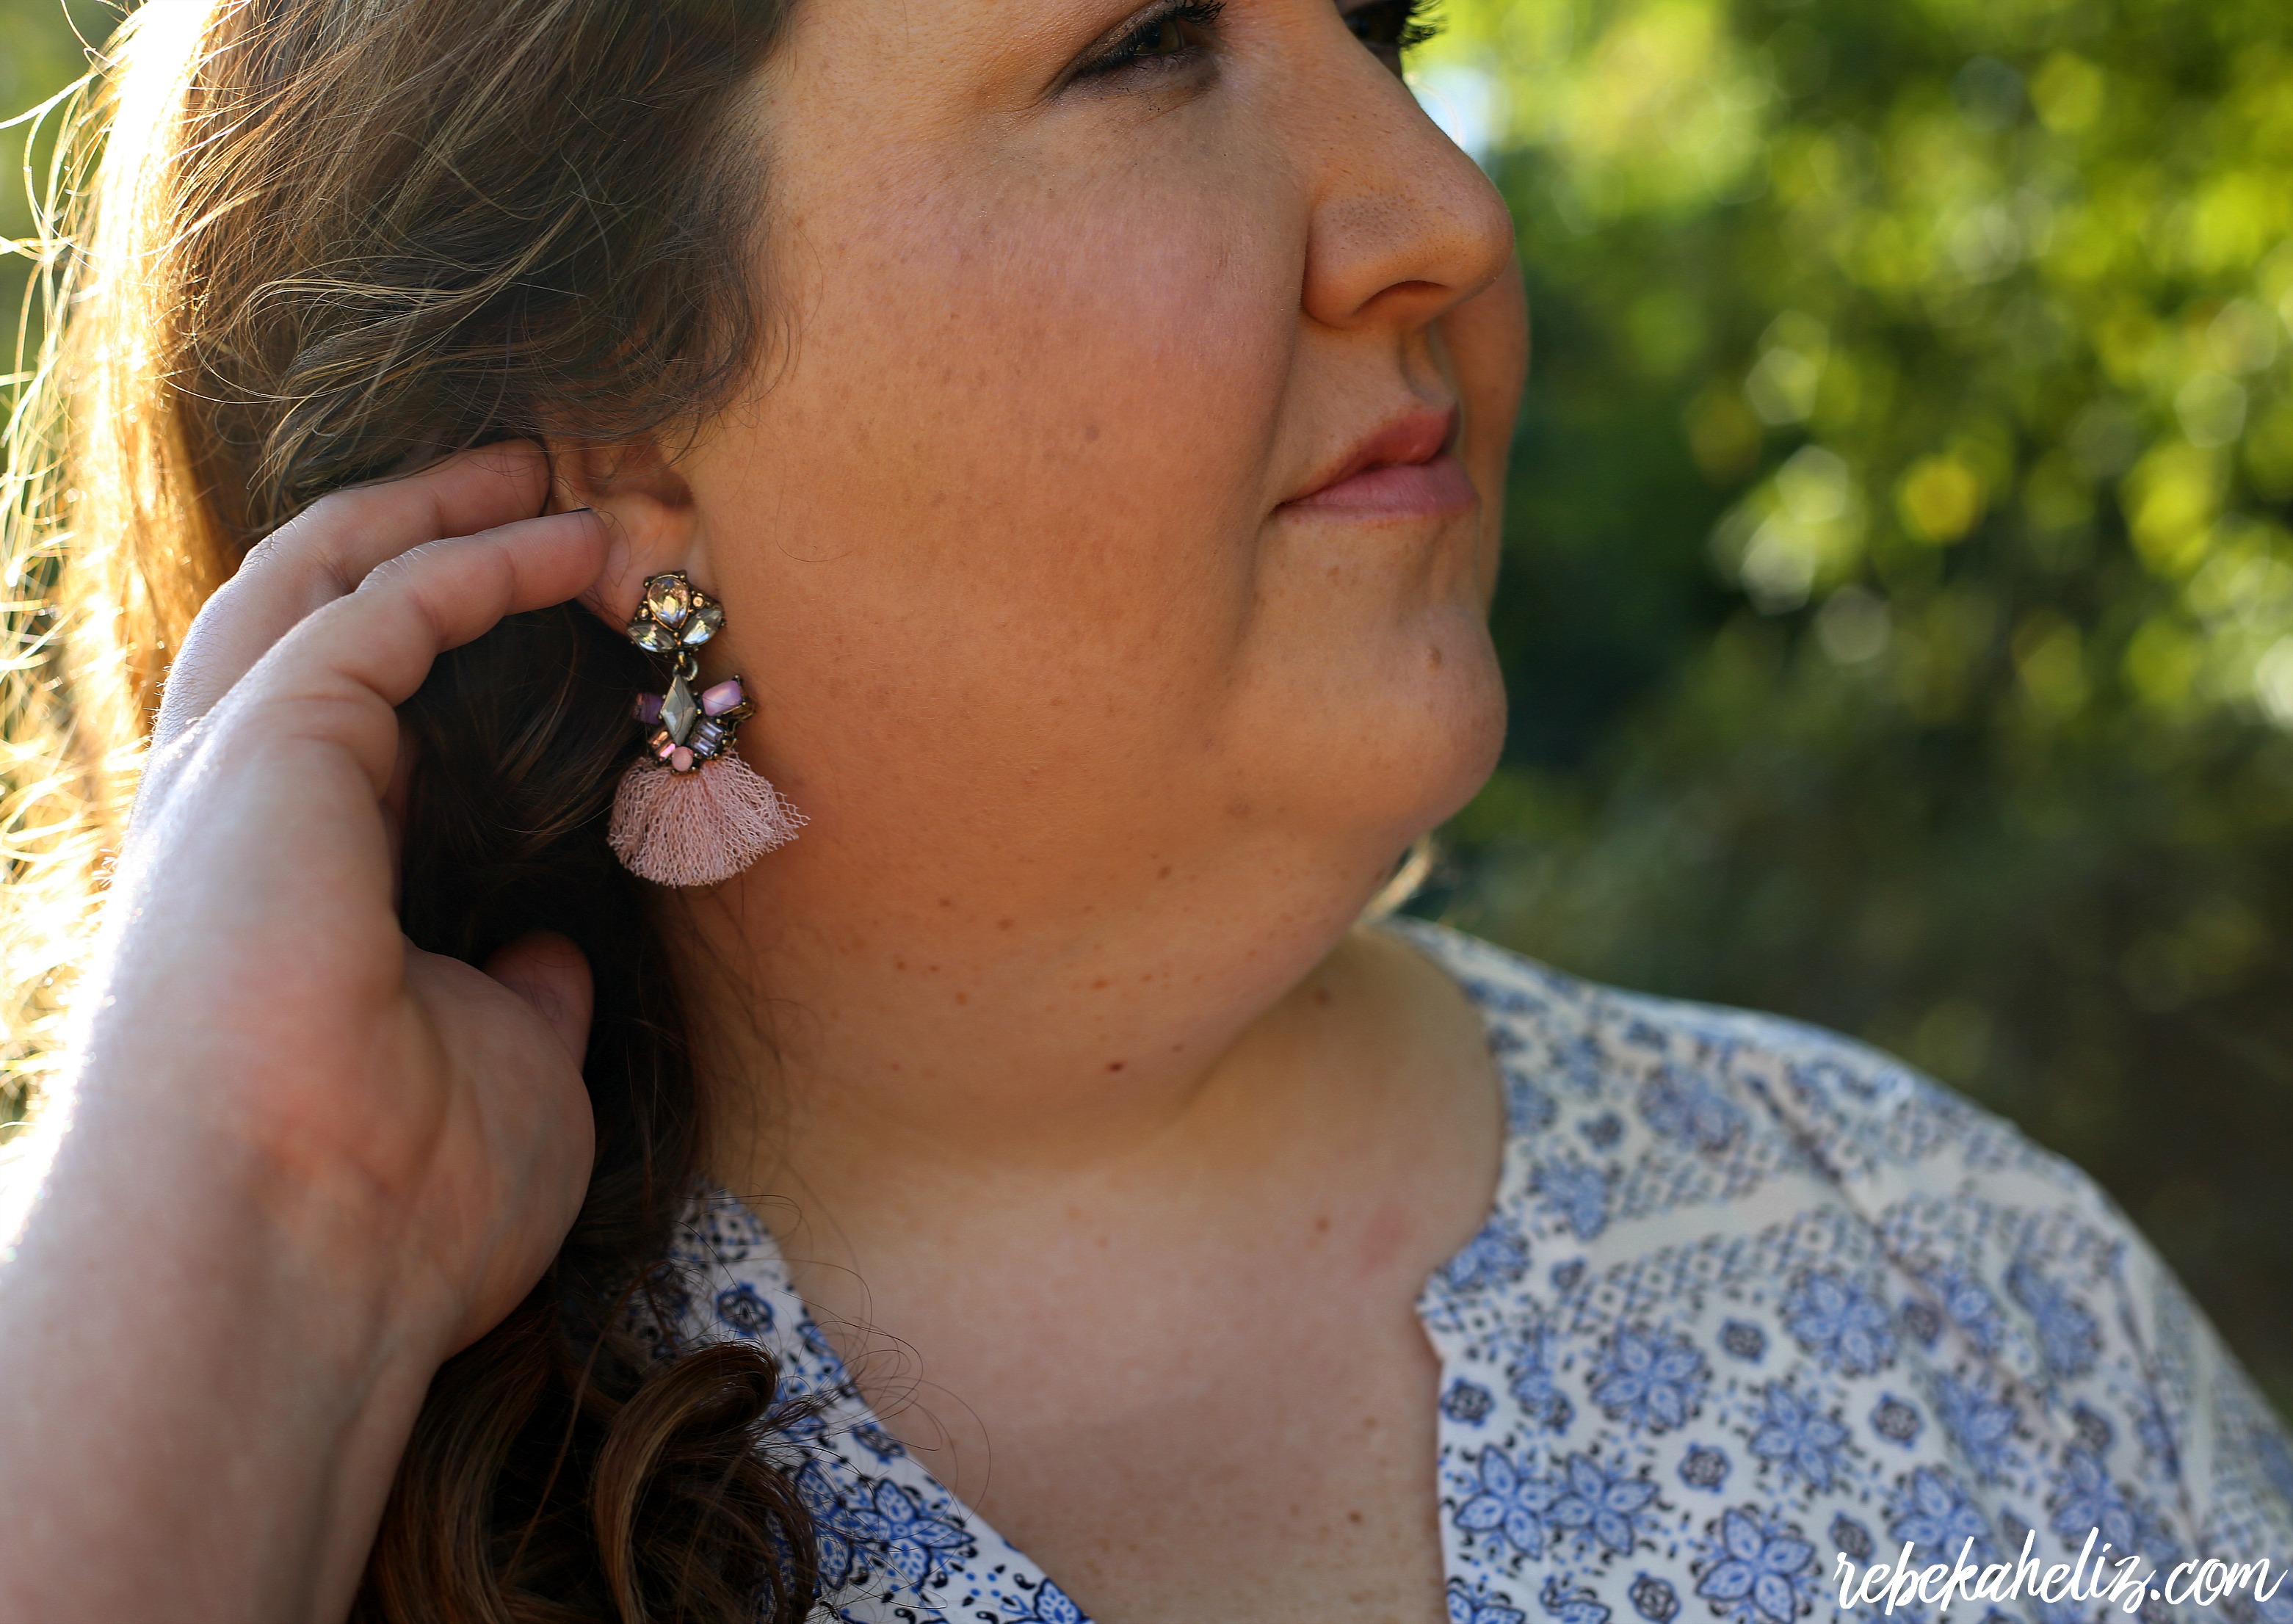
[[1402, 226]]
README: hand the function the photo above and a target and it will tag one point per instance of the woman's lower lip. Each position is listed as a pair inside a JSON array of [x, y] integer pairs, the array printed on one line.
[[1438, 488]]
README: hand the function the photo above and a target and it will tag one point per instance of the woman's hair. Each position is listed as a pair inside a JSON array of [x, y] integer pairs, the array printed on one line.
[[298, 244]]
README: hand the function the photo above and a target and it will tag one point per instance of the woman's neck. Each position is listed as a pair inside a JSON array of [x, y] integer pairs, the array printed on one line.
[[874, 1052]]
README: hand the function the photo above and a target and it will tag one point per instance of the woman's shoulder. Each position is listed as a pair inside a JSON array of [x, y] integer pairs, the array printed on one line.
[[1634, 1121], [1771, 1216], [1730, 1087]]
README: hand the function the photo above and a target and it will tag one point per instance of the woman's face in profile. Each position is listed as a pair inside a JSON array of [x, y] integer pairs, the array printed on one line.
[[1086, 313]]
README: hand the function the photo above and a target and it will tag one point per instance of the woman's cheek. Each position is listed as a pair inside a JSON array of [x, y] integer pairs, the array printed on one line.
[[1486, 340], [1155, 368]]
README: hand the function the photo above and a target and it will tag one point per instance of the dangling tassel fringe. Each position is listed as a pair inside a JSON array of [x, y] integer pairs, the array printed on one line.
[[697, 828]]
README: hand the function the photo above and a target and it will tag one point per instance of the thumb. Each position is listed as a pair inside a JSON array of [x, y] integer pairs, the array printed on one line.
[[550, 973]]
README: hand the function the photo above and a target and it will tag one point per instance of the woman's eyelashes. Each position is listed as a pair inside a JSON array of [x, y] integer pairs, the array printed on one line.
[[1169, 37], [1180, 33], [1388, 28]]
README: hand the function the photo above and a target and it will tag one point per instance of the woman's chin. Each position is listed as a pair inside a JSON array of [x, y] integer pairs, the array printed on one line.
[[1398, 767], [1454, 775], [1465, 729]]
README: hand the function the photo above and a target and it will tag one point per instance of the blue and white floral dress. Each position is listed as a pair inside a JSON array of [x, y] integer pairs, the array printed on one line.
[[1751, 1298]]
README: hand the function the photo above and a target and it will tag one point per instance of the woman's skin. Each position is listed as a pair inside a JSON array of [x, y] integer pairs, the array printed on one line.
[[1112, 1155], [300, 1163]]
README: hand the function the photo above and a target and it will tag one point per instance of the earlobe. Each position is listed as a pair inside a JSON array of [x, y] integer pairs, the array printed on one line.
[[648, 510]]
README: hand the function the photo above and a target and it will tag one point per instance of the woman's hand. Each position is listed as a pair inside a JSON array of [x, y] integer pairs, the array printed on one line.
[[299, 1162], [261, 858]]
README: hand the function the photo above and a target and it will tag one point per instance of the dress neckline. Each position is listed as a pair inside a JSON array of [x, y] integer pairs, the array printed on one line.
[[736, 1242]]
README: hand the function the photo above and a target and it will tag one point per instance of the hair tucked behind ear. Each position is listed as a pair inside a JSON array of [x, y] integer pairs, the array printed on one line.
[[311, 242]]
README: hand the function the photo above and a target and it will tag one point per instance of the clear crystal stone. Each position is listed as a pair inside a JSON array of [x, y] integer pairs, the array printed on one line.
[[706, 619], [679, 711], [653, 636], [667, 599]]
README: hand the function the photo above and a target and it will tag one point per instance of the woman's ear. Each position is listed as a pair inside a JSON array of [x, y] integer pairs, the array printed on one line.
[[647, 508]]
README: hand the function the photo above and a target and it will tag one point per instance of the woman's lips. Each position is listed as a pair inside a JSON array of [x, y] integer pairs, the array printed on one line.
[[1438, 489], [1404, 468]]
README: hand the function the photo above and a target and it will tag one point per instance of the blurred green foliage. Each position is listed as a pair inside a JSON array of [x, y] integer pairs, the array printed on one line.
[[1899, 602], [41, 52], [1899, 596]]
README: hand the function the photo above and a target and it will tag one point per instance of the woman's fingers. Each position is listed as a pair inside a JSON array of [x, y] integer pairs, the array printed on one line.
[[327, 550], [340, 675], [548, 971]]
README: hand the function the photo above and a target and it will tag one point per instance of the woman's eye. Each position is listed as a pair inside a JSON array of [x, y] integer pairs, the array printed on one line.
[[1168, 38], [1390, 27]]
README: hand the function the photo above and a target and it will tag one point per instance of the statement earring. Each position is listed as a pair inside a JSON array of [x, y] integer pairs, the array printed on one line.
[[689, 811]]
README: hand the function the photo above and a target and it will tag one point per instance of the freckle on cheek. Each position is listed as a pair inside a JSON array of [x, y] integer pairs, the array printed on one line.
[[1433, 658]]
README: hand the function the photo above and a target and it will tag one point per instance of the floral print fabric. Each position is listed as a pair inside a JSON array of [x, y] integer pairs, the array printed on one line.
[[1750, 1297]]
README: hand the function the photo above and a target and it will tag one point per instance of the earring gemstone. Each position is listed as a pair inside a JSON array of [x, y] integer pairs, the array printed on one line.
[[685, 729], [669, 599], [703, 622], [679, 710]]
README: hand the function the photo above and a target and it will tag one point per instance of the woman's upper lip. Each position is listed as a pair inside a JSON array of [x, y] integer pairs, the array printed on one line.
[[1415, 437]]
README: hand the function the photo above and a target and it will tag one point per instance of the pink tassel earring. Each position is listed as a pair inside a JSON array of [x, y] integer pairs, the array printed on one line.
[[689, 811]]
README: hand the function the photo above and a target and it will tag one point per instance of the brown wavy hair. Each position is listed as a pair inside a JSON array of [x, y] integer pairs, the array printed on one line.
[[297, 244]]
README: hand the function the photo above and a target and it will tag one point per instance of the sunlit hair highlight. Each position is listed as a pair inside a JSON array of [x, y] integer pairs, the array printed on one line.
[[290, 244]]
